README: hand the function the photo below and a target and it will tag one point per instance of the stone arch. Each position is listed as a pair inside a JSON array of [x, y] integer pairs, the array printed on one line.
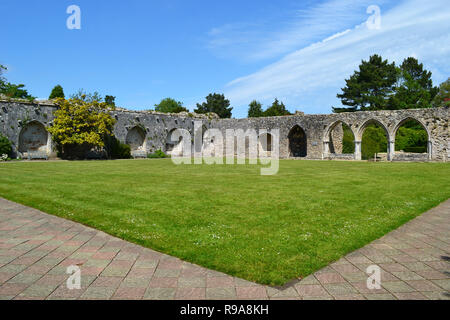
[[136, 138], [33, 137], [409, 118], [265, 141], [412, 155], [334, 144], [369, 122], [297, 142], [389, 144], [170, 144]]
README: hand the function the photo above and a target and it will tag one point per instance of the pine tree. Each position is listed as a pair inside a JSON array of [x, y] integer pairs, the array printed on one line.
[[57, 92], [255, 109]]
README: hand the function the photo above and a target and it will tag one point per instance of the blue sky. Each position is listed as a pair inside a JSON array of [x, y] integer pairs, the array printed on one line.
[[142, 51]]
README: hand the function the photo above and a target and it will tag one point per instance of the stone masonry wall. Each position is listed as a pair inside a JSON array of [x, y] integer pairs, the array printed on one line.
[[150, 131]]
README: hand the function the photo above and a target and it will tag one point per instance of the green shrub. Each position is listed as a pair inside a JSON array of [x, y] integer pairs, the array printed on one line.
[[5, 145], [117, 149], [374, 140], [158, 155]]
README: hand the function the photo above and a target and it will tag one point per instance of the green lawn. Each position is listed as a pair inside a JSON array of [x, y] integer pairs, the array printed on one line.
[[268, 229]]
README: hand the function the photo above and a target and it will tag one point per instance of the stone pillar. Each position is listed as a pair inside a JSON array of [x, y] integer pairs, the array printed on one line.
[[391, 150], [429, 150], [326, 149], [357, 150]]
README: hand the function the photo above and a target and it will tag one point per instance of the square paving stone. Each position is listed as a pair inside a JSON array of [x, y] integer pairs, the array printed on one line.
[[129, 293], [397, 286], [199, 282], [190, 293], [312, 290], [251, 292], [410, 296], [160, 293], [339, 289], [382, 296], [331, 277], [280, 293], [166, 273], [444, 283], [221, 293], [102, 293], [220, 282]]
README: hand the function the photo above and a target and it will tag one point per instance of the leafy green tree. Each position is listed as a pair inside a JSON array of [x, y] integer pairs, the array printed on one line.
[[87, 97], [169, 105], [414, 88], [57, 92], [276, 109], [80, 126], [10, 90], [110, 100], [443, 96], [215, 103], [370, 87], [255, 109]]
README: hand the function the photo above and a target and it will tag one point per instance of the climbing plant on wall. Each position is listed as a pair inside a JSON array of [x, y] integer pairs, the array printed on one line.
[[80, 126]]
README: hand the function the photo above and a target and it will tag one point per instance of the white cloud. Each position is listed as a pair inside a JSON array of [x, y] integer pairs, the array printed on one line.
[[276, 35], [312, 76]]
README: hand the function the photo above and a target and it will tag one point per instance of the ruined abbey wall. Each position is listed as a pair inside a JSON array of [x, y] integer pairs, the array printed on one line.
[[301, 136]]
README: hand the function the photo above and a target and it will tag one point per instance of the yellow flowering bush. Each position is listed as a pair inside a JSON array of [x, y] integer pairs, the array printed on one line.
[[82, 124]]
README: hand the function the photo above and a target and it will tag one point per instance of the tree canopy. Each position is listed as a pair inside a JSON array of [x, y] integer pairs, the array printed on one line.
[[276, 109], [10, 90], [380, 85], [215, 103], [57, 92], [169, 105], [442, 98], [370, 87], [255, 109], [87, 97]]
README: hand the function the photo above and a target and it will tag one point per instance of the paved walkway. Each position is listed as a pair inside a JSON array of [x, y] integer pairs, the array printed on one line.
[[36, 249]]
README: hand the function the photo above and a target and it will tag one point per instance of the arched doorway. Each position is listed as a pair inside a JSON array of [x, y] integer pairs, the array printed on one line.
[[33, 137], [297, 142], [136, 139], [265, 141], [412, 141], [340, 141], [374, 141]]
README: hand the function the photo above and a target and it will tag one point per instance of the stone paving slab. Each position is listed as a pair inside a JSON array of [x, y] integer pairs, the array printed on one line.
[[36, 248]]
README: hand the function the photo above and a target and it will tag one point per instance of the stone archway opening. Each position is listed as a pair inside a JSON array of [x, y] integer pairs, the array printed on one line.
[[340, 140], [136, 139], [297, 142], [412, 142], [33, 138], [374, 141], [265, 141]]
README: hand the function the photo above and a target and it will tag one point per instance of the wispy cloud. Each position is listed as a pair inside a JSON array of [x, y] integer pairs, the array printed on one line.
[[275, 36], [314, 74]]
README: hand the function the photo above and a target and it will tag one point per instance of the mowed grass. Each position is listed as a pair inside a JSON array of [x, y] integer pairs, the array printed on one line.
[[268, 229]]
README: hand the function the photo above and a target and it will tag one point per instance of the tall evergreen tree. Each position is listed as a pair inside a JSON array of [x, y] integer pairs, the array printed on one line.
[[57, 92], [276, 109], [255, 109], [370, 87], [414, 88]]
